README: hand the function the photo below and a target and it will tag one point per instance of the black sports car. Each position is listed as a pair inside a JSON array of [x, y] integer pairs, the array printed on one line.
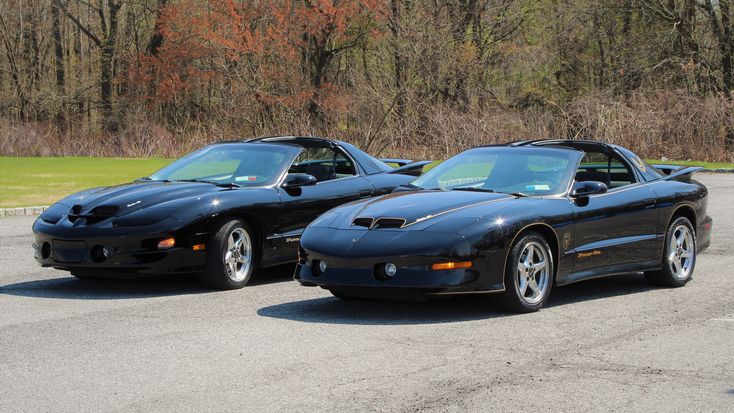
[[219, 211], [514, 219]]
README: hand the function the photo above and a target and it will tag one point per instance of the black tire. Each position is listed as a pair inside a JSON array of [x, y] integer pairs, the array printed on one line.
[[513, 299], [667, 276], [216, 274]]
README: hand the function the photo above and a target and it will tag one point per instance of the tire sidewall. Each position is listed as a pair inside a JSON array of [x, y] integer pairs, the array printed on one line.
[[511, 281], [669, 234], [216, 269]]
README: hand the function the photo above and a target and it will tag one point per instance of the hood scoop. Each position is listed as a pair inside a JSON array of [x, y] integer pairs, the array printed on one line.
[[379, 223], [97, 214]]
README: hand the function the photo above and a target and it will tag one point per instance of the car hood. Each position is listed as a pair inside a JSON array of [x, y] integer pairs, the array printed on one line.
[[420, 209], [128, 198]]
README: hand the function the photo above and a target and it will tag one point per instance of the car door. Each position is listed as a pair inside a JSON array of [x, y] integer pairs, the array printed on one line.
[[338, 182], [615, 229]]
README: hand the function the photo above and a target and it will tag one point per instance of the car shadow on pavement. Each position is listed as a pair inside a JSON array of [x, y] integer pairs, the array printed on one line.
[[70, 287], [105, 289], [599, 288], [331, 310]]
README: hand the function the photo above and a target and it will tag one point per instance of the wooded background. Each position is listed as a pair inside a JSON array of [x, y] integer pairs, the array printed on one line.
[[403, 77]]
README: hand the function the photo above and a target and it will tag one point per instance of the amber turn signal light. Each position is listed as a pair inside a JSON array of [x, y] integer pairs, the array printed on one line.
[[199, 247], [167, 243], [451, 265]]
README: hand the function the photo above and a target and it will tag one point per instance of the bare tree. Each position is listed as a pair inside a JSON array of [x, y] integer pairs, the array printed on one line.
[[106, 40]]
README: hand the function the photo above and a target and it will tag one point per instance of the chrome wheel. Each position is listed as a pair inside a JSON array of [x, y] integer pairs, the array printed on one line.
[[238, 255], [681, 250], [532, 272]]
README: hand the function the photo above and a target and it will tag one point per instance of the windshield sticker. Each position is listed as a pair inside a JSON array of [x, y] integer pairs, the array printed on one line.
[[245, 178], [542, 187]]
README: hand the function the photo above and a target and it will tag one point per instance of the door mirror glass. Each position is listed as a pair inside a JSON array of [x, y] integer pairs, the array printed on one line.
[[298, 180], [587, 188]]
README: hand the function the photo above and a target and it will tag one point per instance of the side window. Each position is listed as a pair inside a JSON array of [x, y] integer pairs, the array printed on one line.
[[323, 163], [597, 166]]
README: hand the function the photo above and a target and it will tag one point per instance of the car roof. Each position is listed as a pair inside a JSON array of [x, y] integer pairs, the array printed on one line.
[[578, 144], [304, 141]]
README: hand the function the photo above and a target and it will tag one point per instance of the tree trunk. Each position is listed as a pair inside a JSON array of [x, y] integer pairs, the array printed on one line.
[[156, 40], [107, 60], [59, 56], [397, 61]]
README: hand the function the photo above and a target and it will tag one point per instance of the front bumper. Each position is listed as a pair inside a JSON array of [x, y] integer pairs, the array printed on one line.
[[355, 260], [132, 252], [340, 275]]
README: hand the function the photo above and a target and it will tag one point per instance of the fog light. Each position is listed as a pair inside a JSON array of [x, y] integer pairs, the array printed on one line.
[[199, 247], [106, 252], [166, 243], [322, 266], [390, 269]]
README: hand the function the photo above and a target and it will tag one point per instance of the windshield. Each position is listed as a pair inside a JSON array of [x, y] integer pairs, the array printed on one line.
[[517, 170], [241, 164]]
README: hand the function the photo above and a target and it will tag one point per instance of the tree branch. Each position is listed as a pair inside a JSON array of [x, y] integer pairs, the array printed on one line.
[[79, 24]]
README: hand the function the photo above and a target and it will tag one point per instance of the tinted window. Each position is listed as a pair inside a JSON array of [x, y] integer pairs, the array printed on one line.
[[601, 167], [323, 163], [648, 172]]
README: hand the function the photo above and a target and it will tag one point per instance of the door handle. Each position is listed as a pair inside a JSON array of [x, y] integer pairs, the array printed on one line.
[[365, 193], [649, 203]]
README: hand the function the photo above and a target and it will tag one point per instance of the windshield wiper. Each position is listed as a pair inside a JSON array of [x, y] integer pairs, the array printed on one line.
[[204, 181], [472, 189], [476, 189], [147, 178]]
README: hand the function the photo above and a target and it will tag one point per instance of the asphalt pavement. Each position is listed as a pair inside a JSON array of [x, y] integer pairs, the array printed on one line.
[[612, 344]]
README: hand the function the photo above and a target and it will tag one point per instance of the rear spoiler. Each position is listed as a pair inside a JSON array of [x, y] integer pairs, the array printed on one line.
[[678, 172], [398, 161], [407, 168]]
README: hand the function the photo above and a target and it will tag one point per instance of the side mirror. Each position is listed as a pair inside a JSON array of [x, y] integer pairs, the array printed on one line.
[[293, 181], [582, 189]]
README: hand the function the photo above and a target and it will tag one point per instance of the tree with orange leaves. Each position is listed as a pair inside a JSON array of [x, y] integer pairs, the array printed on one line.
[[270, 53]]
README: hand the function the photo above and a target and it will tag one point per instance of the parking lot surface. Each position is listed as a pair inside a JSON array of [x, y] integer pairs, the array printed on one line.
[[612, 344]]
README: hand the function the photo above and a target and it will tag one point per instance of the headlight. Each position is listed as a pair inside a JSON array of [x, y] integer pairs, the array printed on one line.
[[142, 217], [54, 213]]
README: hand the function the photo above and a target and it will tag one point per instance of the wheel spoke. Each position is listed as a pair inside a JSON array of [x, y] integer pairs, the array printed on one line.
[[534, 287], [531, 255], [671, 257], [681, 237], [539, 266], [523, 287]]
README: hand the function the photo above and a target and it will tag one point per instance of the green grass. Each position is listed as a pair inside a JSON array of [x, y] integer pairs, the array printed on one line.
[[42, 181], [707, 165]]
